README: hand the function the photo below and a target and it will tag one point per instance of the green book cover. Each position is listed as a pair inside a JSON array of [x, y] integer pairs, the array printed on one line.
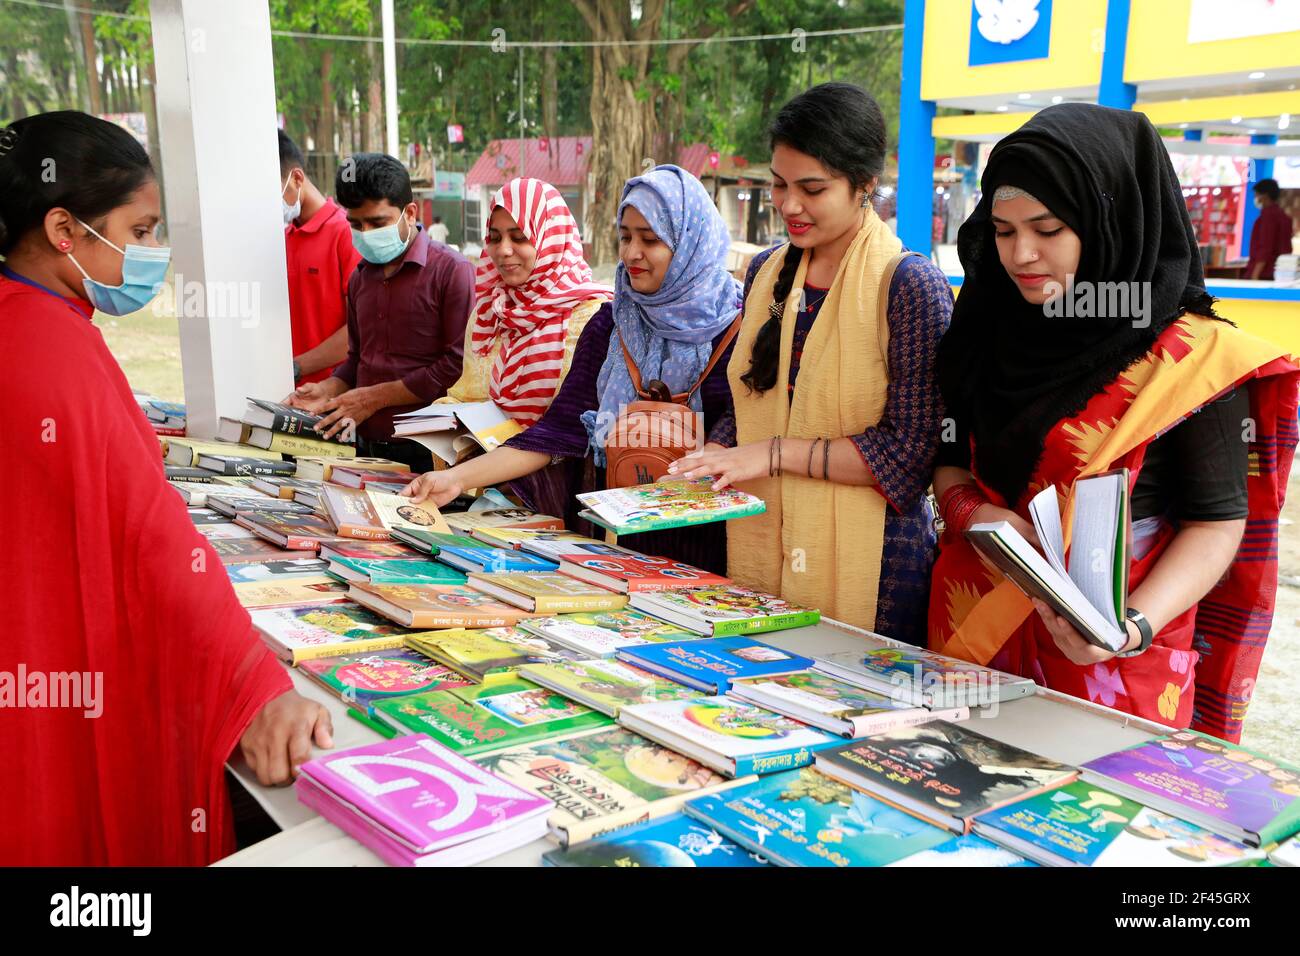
[[480, 652], [504, 712], [400, 571], [667, 504], [605, 685], [431, 542]]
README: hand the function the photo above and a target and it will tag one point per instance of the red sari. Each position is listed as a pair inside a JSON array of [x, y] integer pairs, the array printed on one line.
[[1201, 667], [106, 575]]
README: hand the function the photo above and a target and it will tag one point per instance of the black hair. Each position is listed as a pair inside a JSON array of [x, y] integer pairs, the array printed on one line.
[[365, 177], [69, 160], [437, 219], [841, 126], [290, 155], [1269, 188]]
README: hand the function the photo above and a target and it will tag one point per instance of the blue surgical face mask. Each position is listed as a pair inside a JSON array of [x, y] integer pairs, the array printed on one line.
[[143, 271], [290, 212], [382, 245]]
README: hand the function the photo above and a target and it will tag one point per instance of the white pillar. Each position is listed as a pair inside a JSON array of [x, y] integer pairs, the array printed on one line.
[[390, 81], [217, 123]]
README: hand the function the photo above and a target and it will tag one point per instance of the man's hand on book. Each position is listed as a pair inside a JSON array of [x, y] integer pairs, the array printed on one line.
[[281, 737], [1073, 645], [311, 397], [354, 405]]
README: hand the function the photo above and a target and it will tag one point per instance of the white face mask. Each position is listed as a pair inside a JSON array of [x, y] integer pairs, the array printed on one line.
[[290, 212]]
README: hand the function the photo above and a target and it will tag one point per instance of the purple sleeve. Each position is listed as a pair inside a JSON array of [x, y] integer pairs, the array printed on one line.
[[347, 369], [560, 430], [900, 449], [454, 278]]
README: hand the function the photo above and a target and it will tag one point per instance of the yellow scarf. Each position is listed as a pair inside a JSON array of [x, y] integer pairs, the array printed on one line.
[[819, 543]]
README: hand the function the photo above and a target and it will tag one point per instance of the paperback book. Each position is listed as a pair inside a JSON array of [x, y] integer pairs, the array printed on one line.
[[435, 605], [914, 675], [298, 634], [724, 611], [360, 680], [667, 504], [672, 841], [711, 665], [604, 633], [603, 685], [546, 592], [480, 653]]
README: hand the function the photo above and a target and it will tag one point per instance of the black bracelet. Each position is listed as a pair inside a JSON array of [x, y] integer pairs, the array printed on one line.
[[812, 450], [826, 459]]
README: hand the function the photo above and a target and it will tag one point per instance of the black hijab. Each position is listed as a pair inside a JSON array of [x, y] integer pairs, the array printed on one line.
[[1008, 372]]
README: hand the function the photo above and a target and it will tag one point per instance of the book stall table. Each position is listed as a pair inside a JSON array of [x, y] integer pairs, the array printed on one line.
[[1047, 723]]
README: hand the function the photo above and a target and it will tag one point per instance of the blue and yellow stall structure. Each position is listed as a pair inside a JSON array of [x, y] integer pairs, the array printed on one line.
[[1127, 54]]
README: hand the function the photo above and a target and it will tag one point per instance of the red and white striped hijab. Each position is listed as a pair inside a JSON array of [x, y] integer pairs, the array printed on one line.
[[532, 320]]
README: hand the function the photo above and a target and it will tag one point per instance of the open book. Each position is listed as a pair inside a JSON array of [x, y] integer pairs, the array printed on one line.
[[447, 429], [1090, 589]]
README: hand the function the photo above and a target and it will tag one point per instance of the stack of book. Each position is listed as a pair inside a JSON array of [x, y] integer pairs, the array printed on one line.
[[280, 428]]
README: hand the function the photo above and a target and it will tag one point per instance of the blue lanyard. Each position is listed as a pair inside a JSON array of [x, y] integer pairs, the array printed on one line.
[[5, 270]]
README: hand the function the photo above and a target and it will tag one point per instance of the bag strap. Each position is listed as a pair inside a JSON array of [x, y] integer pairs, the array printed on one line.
[[681, 399], [882, 300]]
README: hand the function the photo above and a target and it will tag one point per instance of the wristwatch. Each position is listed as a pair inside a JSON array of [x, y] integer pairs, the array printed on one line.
[[1144, 629]]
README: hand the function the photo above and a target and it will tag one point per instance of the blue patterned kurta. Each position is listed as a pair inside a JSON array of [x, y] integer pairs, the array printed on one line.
[[900, 448]]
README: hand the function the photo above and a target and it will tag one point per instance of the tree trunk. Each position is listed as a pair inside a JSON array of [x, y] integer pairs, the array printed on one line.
[[91, 70], [325, 122]]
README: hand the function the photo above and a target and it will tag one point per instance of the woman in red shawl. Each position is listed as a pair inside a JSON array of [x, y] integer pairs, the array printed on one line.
[[1083, 340], [128, 670]]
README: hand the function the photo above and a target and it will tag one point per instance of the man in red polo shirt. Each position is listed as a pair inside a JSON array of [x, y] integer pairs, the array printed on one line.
[[1271, 235], [321, 258]]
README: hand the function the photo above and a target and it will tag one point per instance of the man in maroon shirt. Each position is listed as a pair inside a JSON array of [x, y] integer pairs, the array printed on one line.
[[408, 302], [1271, 235]]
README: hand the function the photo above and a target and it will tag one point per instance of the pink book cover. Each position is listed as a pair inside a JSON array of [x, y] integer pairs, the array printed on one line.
[[421, 793]]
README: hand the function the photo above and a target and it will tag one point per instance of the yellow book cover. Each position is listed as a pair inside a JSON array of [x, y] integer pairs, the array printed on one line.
[[483, 652], [303, 445], [398, 511], [191, 448], [313, 589]]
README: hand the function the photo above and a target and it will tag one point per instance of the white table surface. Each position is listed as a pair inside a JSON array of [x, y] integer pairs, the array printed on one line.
[[1051, 724]]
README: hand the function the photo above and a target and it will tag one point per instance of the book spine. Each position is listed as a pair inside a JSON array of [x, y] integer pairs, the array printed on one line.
[[387, 642], [296, 542], [772, 622], [887, 723], [790, 759], [561, 605], [293, 444], [686, 521], [428, 621], [364, 532]]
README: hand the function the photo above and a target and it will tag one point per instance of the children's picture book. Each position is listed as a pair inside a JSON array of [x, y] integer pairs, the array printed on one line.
[[603, 780], [361, 679], [1089, 586], [299, 634], [1081, 824], [965, 850], [481, 652], [666, 504], [604, 685], [729, 735], [1226, 788], [723, 611], [942, 772], [918, 676], [546, 592], [414, 803], [801, 818], [394, 571], [835, 706], [711, 665], [629, 573], [503, 712], [604, 633], [672, 841], [435, 605]]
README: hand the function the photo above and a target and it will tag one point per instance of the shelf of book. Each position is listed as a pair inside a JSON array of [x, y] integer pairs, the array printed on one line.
[[1054, 725]]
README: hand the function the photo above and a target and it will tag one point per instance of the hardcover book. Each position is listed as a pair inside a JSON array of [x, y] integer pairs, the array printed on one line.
[[729, 735], [434, 605], [801, 818], [628, 575], [503, 712], [359, 680], [711, 665], [604, 633], [299, 634], [1226, 788], [546, 592], [394, 571], [917, 676], [668, 504], [942, 772], [479, 653], [602, 780], [672, 841], [1080, 824], [606, 686], [723, 611]]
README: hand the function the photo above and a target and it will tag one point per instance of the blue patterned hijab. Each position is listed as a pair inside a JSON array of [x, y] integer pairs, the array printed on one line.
[[670, 332]]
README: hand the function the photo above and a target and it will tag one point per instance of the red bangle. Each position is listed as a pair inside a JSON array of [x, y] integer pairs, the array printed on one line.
[[958, 506]]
